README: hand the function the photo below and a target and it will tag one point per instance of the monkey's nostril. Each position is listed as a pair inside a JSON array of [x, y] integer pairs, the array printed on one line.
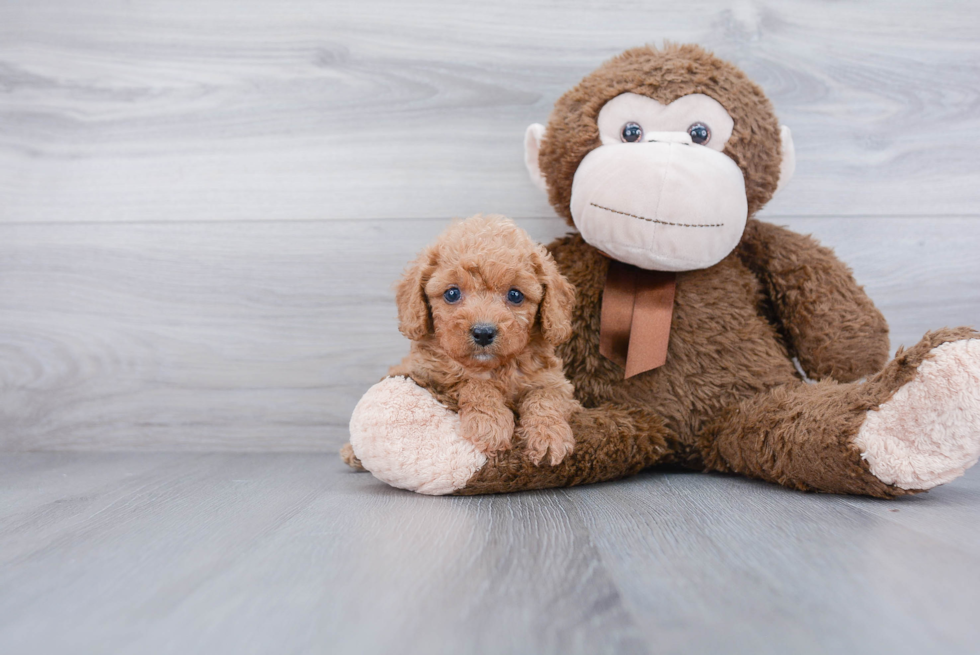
[[483, 334]]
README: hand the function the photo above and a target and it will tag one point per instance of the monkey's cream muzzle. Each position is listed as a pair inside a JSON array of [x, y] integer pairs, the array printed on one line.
[[662, 205]]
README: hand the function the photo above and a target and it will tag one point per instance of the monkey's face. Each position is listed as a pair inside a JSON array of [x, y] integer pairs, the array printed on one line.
[[660, 156], [658, 193]]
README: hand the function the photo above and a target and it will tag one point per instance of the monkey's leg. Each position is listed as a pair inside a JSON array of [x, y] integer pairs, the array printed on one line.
[[611, 442], [406, 438], [914, 425]]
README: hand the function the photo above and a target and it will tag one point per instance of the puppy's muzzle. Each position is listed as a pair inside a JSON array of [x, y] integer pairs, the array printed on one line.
[[483, 334]]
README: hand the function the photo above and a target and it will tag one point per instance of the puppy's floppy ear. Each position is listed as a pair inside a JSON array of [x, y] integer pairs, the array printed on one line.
[[414, 320], [558, 301]]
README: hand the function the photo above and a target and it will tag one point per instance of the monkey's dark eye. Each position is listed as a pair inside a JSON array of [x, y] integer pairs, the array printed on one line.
[[452, 295], [515, 296], [632, 132], [700, 133]]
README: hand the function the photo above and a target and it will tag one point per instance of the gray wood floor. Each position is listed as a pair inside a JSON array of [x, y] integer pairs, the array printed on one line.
[[289, 553], [203, 206]]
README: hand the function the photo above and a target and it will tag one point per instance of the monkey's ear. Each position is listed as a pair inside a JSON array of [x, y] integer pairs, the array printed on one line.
[[788, 163], [414, 320], [558, 301], [532, 146]]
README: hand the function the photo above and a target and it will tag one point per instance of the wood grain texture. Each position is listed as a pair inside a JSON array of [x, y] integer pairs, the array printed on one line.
[[753, 559], [236, 553], [187, 110], [263, 335]]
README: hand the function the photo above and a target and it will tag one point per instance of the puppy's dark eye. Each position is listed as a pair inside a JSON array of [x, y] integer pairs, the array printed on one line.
[[452, 295], [515, 296], [632, 132], [700, 133]]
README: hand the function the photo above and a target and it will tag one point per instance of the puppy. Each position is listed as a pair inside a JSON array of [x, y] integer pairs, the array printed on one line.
[[485, 307]]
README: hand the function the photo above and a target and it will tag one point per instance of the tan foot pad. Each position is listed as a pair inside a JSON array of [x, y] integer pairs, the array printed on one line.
[[928, 433], [407, 439]]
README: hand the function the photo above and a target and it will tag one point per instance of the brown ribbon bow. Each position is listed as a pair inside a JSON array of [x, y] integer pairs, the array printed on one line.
[[637, 306]]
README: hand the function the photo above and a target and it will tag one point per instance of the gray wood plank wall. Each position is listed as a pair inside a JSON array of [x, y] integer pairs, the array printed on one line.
[[203, 204]]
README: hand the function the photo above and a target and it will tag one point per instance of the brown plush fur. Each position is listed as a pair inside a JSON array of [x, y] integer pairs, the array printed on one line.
[[836, 331], [801, 435], [485, 257], [729, 397], [610, 442]]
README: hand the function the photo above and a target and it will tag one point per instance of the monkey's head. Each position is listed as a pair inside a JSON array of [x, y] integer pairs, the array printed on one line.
[[660, 156]]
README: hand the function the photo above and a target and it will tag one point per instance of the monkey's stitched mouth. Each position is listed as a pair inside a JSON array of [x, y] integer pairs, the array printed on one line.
[[654, 220]]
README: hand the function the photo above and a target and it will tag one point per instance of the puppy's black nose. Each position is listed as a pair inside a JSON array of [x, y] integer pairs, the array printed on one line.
[[483, 334]]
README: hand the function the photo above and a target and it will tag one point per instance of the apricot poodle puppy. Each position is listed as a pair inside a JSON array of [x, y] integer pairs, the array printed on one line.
[[485, 307]]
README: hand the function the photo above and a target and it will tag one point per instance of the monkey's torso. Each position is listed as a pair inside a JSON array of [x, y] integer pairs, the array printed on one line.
[[722, 348]]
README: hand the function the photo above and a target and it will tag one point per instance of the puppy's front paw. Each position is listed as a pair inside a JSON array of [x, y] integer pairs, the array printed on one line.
[[488, 432], [547, 436]]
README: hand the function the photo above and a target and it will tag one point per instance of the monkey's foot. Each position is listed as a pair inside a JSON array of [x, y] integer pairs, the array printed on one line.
[[928, 432], [407, 439]]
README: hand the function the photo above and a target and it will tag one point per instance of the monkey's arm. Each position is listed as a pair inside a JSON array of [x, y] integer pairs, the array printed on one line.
[[830, 324]]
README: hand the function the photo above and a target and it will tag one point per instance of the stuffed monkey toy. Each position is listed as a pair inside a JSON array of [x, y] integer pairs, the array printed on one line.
[[689, 313]]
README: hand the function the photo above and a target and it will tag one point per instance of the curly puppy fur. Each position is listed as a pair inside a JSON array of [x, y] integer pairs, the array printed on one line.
[[485, 258]]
